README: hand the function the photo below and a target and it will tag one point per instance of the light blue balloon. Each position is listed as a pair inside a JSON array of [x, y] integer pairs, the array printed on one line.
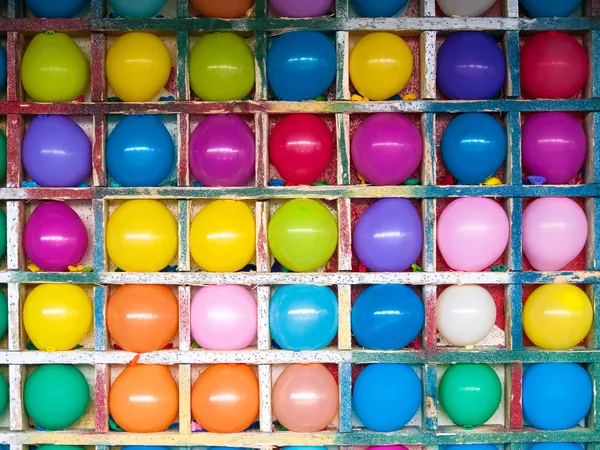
[[137, 8], [56, 8], [550, 8], [378, 8]]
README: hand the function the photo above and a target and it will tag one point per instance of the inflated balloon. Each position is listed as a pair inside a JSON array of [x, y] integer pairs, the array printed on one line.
[[221, 67], [144, 399], [301, 147], [553, 65], [555, 446], [302, 235], [378, 8], [474, 147], [4, 395], [137, 8], [54, 69], [142, 317], [56, 396], [305, 8], [388, 237], [222, 151], [386, 396], [56, 8], [465, 8], [303, 317], [305, 398], [231, 9], [472, 233], [223, 317], [556, 396], [474, 447], [3, 157], [470, 66], [55, 237], [381, 64], [3, 231], [141, 236], [225, 398], [387, 317], [387, 447], [3, 315], [3, 66], [550, 8]]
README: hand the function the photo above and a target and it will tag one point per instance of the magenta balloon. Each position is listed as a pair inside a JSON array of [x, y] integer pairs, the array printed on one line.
[[386, 149], [472, 233], [554, 146], [554, 232], [301, 8], [55, 237], [222, 151]]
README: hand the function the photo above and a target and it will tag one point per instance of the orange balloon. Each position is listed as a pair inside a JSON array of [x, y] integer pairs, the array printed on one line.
[[228, 9], [225, 398], [142, 318], [144, 399]]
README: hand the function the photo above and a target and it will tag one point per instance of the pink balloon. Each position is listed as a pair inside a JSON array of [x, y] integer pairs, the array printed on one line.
[[223, 317], [554, 232], [472, 233]]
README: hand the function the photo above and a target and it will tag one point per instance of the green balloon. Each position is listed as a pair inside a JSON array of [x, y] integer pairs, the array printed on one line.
[[2, 234], [3, 394], [2, 157], [3, 315], [56, 396]]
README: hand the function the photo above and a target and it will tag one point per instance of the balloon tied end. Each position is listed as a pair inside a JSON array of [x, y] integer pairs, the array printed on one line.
[[498, 268], [33, 268], [78, 268], [410, 97], [492, 181], [134, 361], [50, 33], [113, 425], [358, 98], [416, 268]]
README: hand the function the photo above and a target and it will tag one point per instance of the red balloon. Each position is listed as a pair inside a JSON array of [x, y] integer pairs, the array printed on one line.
[[553, 65], [300, 147]]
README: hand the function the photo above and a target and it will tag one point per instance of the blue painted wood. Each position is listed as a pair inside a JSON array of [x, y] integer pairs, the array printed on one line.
[[345, 382], [515, 296], [430, 397], [511, 50], [515, 262], [100, 338]]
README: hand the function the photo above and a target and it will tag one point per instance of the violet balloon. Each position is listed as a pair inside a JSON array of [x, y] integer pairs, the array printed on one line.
[[301, 8]]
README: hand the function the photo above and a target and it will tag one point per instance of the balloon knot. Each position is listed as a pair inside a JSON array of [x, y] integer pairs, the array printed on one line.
[[169, 346], [321, 183], [80, 98], [195, 426], [416, 268], [412, 182], [88, 269], [119, 270], [78, 268], [50, 349], [362, 268], [83, 185], [468, 427], [276, 182], [469, 347], [134, 361], [492, 181], [321, 98], [447, 180], [287, 183], [29, 184], [500, 346], [411, 96], [197, 184], [362, 180], [170, 269], [77, 347], [195, 344], [114, 100], [114, 185], [114, 15], [536, 180], [37, 427], [113, 425], [499, 268], [34, 268], [168, 98], [359, 98]]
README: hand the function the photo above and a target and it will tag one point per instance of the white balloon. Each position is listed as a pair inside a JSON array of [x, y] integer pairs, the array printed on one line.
[[465, 8], [465, 314]]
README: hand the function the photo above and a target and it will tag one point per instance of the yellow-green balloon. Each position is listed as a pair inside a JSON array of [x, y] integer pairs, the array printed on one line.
[[54, 69], [221, 67], [303, 235]]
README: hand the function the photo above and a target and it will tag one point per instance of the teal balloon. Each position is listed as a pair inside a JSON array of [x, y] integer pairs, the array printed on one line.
[[3, 394], [56, 8], [137, 8], [550, 8], [3, 315]]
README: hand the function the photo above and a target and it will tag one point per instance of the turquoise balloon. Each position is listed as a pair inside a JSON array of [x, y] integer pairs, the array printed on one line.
[[137, 8], [550, 8], [56, 8]]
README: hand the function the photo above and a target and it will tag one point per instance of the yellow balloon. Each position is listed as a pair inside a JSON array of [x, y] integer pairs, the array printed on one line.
[[138, 66], [557, 316], [223, 236], [380, 65], [141, 236], [57, 316]]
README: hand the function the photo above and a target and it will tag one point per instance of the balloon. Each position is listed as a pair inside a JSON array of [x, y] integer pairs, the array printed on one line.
[[554, 146], [553, 65], [142, 318], [305, 8], [3, 66], [387, 317], [386, 149], [303, 317], [472, 233], [301, 147], [465, 314], [159, 406], [56, 396], [387, 447], [221, 67], [223, 317], [54, 69], [388, 237], [474, 147], [55, 237], [141, 236], [465, 8], [225, 398], [2, 233], [140, 151], [223, 236], [68, 447], [386, 396], [474, 447], [555, 446], [380, 65], [56, 8], [231, 9], [4, 395], [2, 157], [305, 398], [56, 152], [378, 8], [470, 393], [550, 8], [137, 8], [300, 65], [302, 235], [3, 315], [470, 66]]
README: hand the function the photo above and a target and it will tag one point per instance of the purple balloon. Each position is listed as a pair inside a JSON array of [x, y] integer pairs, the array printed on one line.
[[222, 151], [389, 235], [56, 152], [386, 149], [55, 237], [301, 8], [554, 146]]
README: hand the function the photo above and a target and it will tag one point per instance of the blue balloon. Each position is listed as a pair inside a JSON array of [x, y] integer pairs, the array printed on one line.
[[474, 147], [2, 66], [303, 317], [387, 317], [56, 8], [300, 65], [137, 8], [550, 8], [386, 396], [556, 396], [555, 446], [140, 151], [378, 8]]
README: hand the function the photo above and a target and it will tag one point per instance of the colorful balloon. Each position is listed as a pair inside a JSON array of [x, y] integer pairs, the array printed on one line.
[[137, 8], [3, 231], [550, 8], [555, 446], [3, 158], [465, 8], [387, 447], [4, 395], [378, 8], [56, 8], [231, 9], [305, 8], [3, 66], [3, 315]]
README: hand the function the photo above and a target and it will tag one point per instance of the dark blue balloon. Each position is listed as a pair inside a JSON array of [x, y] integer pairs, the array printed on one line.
[[378, 8], [387, 317], [300, 65], [140, 151], [556, 396], [386, 396], [550, 8], [555, 446], [2, 66], [56, 8], [474, 147]]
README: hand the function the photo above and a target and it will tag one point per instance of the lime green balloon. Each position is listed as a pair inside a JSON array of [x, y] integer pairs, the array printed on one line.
[[470, 394], [303, 235], [221, 67], [54, 69], [3, 394], [2, 234], [2, 157], [3, 315]]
